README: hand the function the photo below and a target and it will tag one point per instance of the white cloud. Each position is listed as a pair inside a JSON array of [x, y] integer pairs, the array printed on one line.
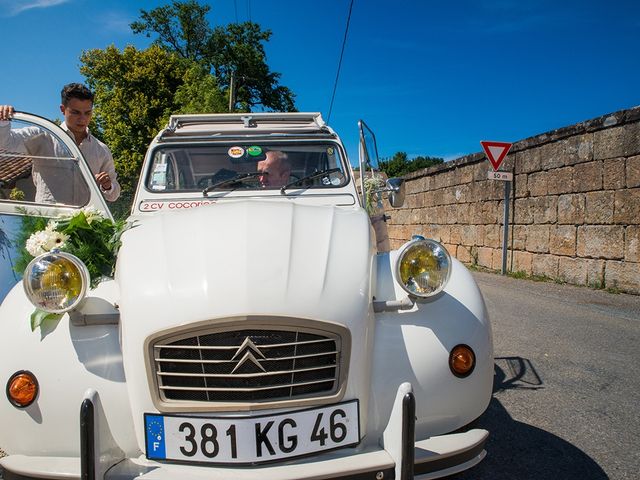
[[14, 8], [116, 22]]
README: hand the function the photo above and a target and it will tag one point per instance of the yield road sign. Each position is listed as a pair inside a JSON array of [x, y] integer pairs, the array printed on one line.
[[496, 152]]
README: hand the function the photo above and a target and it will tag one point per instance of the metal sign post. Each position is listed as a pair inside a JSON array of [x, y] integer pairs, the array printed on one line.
[[496, 153], [505, 236]]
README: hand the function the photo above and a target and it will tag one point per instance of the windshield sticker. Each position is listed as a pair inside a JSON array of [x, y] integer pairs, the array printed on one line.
[[330, 151], [236, 152], [159, 179], [254, 151]]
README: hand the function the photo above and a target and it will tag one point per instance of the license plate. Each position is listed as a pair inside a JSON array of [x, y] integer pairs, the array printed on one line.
[[252, 439]]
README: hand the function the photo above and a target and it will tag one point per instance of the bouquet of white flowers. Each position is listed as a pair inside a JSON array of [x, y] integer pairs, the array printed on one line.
[[87, 234], [46, 240]]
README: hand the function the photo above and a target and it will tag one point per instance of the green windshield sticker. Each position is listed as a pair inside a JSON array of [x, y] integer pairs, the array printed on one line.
[[254, 151]]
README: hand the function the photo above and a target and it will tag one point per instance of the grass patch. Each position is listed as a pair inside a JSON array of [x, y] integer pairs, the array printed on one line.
[[473, 253], [523, 275], [520, 274]]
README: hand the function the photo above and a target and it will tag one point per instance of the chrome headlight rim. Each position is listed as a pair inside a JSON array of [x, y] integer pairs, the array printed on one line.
[[404, 250], [79, 264]]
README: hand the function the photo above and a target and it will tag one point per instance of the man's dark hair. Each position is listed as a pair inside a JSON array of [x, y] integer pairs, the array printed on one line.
[[75, 90]]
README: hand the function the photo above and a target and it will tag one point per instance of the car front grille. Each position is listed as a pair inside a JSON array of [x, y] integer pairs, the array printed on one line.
[[249, 365]]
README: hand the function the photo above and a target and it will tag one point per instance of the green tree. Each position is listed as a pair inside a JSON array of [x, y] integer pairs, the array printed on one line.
[[135, 93], [235, 51], [181, 27], [424, 162], [199, 93], [238, 50], [400, 164]]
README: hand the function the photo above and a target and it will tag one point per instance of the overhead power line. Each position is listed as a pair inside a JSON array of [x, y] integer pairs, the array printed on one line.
[[344, 43]]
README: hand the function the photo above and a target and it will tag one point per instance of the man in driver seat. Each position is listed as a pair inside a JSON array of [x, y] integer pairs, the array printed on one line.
[[277, 167]]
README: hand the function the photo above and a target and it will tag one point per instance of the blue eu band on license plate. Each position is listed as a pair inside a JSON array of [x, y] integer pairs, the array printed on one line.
[[252, 439]]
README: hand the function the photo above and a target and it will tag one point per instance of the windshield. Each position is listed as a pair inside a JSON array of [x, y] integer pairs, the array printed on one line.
[[232, 166]]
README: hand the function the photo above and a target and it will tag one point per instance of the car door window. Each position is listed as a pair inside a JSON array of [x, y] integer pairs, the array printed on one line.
[[36, 166], [373, 180]]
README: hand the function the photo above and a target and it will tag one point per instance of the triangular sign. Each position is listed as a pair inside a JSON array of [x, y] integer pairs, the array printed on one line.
[[496, 152]]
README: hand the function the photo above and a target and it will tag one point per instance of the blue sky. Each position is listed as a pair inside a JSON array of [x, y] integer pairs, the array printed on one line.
[[430, 78]]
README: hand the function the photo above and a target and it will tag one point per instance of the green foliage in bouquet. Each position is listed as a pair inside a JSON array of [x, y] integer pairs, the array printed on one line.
[[88, 235], [28, 227]]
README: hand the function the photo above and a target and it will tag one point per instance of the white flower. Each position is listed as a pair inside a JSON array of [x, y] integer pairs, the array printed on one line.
[[56, 240], [66, 216], [373, 182], [372, 186], [36, 242], [51, 226], [44, 241], [92, 213]]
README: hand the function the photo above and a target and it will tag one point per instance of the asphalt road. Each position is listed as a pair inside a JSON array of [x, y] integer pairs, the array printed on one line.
[[566, 400]]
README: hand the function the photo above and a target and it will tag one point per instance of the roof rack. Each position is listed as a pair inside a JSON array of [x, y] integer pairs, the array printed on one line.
[[248, 120]]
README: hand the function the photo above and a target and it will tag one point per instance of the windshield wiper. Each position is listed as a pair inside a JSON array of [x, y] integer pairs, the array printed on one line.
[[235, 179], [321, 173]]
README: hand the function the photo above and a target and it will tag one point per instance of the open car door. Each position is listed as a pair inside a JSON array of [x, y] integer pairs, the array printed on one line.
[[42, 171], [372, 185], [42, 174]]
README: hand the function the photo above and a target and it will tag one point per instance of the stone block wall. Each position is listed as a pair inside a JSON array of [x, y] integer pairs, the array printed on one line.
[[575, 205]]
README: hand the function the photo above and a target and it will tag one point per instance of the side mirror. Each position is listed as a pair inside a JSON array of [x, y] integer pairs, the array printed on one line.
[[396, 189]]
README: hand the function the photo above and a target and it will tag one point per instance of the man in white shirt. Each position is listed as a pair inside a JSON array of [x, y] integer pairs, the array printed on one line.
[[77, 108]]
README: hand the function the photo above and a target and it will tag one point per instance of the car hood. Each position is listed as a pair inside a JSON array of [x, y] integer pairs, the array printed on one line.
[[247, 257]]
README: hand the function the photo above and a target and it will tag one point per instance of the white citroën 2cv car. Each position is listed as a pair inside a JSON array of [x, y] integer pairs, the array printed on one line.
[[252, 329]]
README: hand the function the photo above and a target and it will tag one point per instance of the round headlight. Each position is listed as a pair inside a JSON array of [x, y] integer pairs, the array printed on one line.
[[423, 268], [56, 282]]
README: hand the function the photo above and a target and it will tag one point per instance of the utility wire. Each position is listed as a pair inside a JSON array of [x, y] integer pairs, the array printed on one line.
[[344, 42]]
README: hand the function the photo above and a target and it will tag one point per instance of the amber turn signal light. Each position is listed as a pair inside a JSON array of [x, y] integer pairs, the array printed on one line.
[[462, 361], [22, 389]]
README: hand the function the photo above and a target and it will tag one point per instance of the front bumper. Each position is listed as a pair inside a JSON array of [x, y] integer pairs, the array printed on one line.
[[399, 457]]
